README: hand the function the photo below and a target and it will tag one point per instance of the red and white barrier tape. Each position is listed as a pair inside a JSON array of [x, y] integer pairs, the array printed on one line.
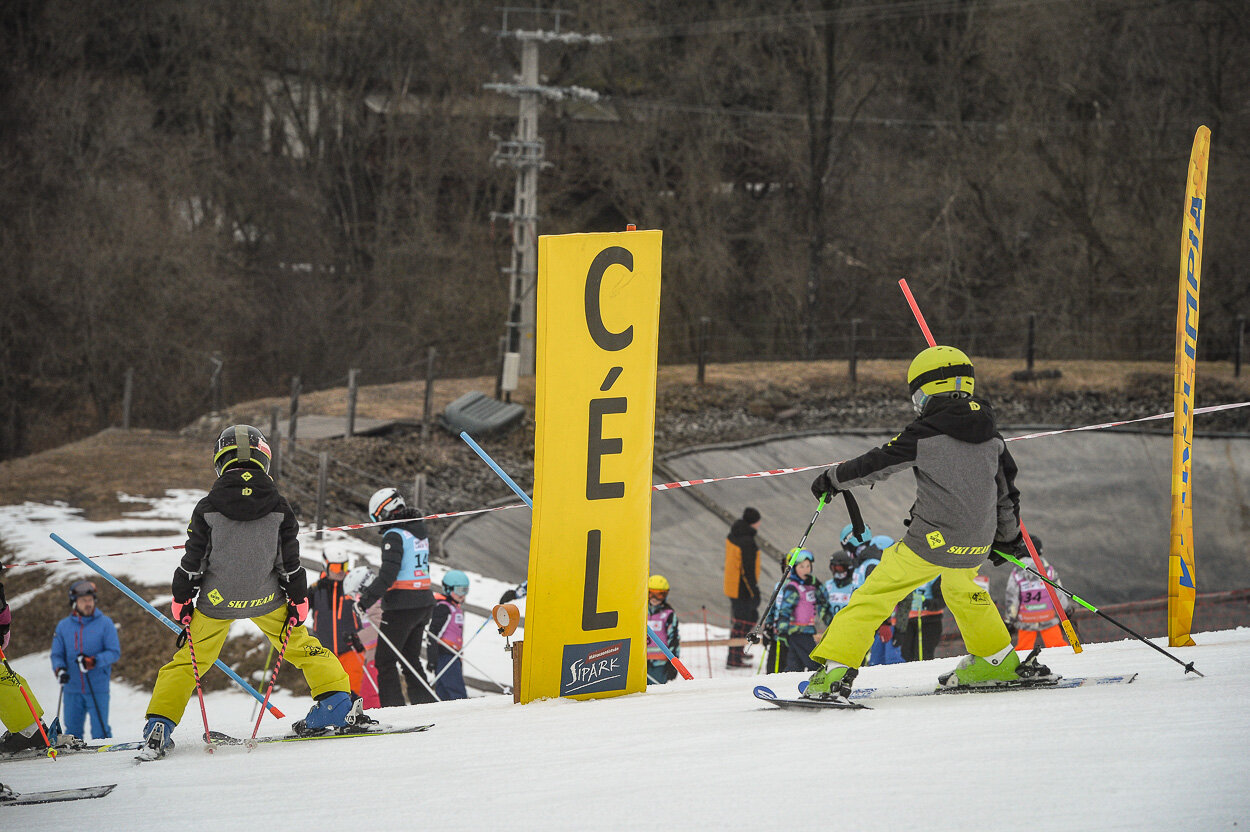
[[668, 486]]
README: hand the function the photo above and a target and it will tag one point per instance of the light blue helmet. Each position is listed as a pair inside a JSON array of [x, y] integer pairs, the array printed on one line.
[[883, 541], [456, 581], [797, 556], [851, 541]]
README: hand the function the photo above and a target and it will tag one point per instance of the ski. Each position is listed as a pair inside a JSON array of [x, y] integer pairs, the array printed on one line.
[[767, 695], [62, 750], [8, 797], [219, 738], [1062, 684]]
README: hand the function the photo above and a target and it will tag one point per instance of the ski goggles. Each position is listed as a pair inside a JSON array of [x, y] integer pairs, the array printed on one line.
[[81, 588], [336, 567]]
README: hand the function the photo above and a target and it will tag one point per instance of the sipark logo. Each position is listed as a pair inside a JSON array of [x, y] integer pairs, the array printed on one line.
[[594, 668]]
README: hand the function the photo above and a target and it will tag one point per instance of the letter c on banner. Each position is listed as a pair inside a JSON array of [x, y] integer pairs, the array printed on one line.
[[606, 340]]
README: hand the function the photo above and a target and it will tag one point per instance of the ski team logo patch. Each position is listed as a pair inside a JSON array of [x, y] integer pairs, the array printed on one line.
[[935, 540], [215, 597]]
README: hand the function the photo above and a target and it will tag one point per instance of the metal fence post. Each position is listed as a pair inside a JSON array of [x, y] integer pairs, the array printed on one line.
[[704, 326], [290, 433], [214, 382], [1031, 348], [128, 390], [429, 392], [322, 476], [351, 401], [853, 368], [418, 492], [275, 444], [1241, 340]]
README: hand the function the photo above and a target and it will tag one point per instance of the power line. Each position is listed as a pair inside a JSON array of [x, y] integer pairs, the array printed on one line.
[[872, 10]]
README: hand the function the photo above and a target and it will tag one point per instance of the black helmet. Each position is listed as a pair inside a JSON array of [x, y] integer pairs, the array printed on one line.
[[841, 559], [241, 445], [80, 588]]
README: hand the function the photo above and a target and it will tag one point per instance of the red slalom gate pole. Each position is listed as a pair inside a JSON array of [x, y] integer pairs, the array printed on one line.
[[1037, 560], [707, 645], [1054, 597]]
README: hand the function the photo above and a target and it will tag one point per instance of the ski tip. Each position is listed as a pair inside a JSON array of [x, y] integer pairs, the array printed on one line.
[[763, 692]]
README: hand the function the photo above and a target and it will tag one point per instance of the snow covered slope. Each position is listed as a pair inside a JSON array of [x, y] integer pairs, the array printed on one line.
[[1166, 752]]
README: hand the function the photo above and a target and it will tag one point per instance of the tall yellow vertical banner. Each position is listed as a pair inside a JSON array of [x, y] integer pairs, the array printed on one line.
[[1182, 577], [590, 542]]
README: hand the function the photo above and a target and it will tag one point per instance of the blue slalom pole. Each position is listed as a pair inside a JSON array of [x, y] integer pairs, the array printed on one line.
[[160, 617], [495, 467], [502, 475]]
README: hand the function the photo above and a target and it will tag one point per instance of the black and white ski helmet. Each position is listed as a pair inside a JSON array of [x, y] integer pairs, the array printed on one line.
[[384, 503]]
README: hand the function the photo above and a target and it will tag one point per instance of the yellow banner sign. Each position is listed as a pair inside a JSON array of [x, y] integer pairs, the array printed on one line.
[[1182, 578], [597, 333]]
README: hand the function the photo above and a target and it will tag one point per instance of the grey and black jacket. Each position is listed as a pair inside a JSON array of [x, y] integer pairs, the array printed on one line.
[[242, 552], [966, 497]]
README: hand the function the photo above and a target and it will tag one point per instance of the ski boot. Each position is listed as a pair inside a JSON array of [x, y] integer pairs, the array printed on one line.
[[337, 712], [1003, 669], [29, 737], [157, 738], [831, 683]]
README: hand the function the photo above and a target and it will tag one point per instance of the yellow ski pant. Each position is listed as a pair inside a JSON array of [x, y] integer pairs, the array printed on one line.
[[901, 570], [14, 712], [175, 682]]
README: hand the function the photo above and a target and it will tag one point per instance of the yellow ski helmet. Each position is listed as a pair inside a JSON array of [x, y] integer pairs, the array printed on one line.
[[657, 583], [939, 371]]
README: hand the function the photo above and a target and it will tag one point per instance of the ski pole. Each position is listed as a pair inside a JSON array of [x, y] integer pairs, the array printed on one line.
[[459, 654], [1067, 625], [857, 524], [225, 668], [199, 688], [1189, 667], [273, 678], [108, 732], [9, 669], [420, 677], [755, 633]]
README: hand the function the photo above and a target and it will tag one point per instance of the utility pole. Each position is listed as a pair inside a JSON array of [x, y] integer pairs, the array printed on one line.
[[524, 152]]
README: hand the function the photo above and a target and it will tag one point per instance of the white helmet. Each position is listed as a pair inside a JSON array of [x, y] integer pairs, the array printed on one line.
[[337, 556], [384, 503], [357, 579]]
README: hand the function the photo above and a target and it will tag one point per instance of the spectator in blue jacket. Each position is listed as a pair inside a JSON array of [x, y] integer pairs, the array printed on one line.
[[84, 648]]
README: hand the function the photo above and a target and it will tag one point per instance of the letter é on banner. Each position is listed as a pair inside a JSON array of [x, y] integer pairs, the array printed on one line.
[[592, 619]]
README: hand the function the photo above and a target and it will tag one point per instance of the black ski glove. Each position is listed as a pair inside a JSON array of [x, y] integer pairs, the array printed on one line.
[[62, 676], [1015, 548], [508, 596], [670, 672], [823, 486], [353, 641]]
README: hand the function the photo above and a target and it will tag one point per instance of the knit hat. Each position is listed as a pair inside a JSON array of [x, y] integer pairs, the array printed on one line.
[[750, 515]]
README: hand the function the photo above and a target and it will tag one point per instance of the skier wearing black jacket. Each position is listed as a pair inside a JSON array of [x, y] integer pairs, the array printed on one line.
[[242, 561], [403, 585]]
